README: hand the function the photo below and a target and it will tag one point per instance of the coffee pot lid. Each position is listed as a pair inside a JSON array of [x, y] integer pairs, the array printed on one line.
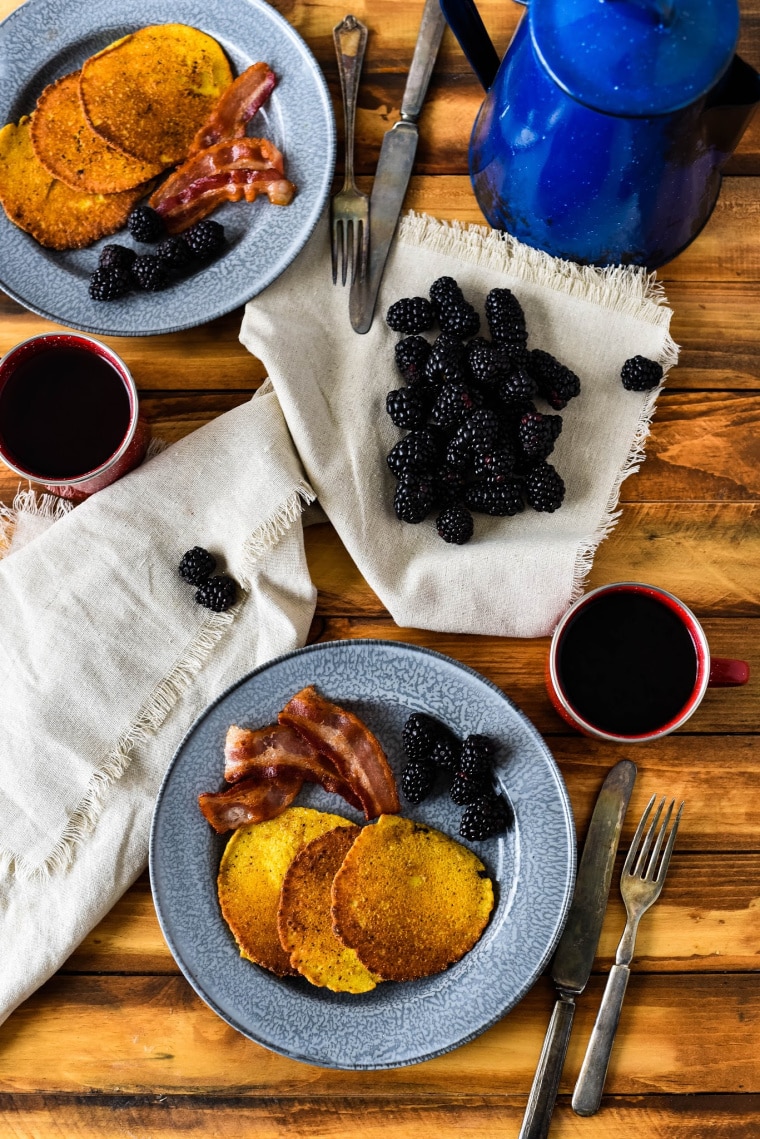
[[635, 57]]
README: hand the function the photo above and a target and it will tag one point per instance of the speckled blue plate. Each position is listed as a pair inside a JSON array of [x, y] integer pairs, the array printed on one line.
[[45, 39], [533, 866]]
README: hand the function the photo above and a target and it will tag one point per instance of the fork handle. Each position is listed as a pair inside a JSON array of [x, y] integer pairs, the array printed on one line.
[[588, 1090], [350, 37]]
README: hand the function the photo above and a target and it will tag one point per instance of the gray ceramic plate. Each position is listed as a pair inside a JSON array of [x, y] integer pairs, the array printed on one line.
[[533, 866], [45, 39]]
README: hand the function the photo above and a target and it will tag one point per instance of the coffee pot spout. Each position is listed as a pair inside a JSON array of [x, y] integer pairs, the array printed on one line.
[[730, 106]]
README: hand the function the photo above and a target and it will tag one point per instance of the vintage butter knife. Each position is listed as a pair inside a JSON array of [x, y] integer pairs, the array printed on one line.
[[394, 167], [571, 965]]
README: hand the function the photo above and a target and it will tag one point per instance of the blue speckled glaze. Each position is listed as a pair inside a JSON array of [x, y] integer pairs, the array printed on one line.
[[603, 134], [533, 866], [45, 39]]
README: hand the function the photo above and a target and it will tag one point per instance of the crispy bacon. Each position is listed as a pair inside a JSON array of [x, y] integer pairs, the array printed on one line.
[[225, 172], [251, 800], [349, 744], [268, 752], [236, 107]]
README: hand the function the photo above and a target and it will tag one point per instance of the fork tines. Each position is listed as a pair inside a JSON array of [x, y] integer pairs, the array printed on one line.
[[655, 868]]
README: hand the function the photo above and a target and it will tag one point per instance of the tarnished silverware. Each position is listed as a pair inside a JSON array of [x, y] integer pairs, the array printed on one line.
[[641, 885], [349, 209]]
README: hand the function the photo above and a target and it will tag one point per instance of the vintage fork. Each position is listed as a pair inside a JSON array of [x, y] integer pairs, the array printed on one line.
[[349, 209], [640, 884]]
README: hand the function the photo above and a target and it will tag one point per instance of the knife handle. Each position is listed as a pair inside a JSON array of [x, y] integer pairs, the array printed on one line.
[[350, 38], [543, 1094], [588, 1090], [425, 51]]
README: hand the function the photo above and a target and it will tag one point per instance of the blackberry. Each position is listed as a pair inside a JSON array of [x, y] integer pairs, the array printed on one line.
[[449, 485], [407, 407], [150, 273], [467, 788], [501, 498], [510, 415], [410, 315], [538, 433], [417, 781], [518, 385], [414, 498], [109, 282], [116, 256], [447, 363], [444, 291], [205, 239], [420, 735], [446, 752], [175, 253], [455, 403], [146, 225], [556, 383], [455, 525], [197, 565], [218, 593], [500, 462], [544, 488], [506, 321], [640, 374], [488, 366], [478, 433], [485, 817], [476, 761], [460, 319], [417, 453], [411, 356]]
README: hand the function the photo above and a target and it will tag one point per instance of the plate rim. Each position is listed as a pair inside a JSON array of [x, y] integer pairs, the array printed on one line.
[[290, 1053], [320, 201]]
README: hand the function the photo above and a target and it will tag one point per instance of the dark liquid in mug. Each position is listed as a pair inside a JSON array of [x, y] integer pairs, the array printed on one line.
[[63, 412], [627, 663]]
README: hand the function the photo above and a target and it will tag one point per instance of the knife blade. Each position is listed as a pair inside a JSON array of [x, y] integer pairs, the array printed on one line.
[[574, 956], [394, 167]]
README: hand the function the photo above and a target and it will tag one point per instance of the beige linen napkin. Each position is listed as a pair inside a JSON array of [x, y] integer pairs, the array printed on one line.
[[106, 661], [517, 575]]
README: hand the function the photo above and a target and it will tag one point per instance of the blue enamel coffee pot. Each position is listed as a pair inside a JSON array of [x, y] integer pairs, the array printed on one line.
[[606, 125]]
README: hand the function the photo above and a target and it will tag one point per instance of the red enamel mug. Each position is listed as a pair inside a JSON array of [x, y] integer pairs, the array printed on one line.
[[629, 662]]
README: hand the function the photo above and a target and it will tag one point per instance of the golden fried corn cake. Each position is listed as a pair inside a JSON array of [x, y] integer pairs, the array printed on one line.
[[54, 214], [69, 149], [252, 870], [149, 93], [304, 918], [409, 899]]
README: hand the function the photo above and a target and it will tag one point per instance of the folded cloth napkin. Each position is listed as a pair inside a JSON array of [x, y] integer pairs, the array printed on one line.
[[517, 575], [106, 661]]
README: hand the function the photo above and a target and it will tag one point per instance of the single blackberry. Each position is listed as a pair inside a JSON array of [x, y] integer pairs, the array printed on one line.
[[455, 403], [146, 225], [485, 817], [502, 498], [556, 383], [109, 282], [455, 525], [218, 593], [517, 386], [444, 290], [446, 752], [417, 453], [467, 788], [476, 761], [419, 736], [447, 362], [411, 356], [118, 256], [175, 253], [640, 374], [407, 407], [410, 315], [460, 319], [150, 273], [498, 463], [449, 485], [417, 780], [414, 498], [487, 364], [506, 321], [544, 488], [205, 239], [538, 433], [197, 565]]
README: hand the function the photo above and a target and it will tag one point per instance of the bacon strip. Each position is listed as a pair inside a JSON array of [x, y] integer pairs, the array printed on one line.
[[226, 172], [251, 801], [349, 744], [236, 107], [269, 752]]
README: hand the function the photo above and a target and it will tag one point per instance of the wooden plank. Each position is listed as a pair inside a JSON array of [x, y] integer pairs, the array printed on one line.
[[719, 333], [432, 1117], [141, 1035]]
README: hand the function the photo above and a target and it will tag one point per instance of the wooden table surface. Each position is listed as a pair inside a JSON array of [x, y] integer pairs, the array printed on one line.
[[118, 1044]]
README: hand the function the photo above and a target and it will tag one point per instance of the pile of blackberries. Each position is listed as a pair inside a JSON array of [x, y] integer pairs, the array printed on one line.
[[217, 592], [433, 750], [476, 440]]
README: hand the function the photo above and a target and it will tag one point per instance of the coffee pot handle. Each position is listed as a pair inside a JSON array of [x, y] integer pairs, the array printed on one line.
[[464, 20]]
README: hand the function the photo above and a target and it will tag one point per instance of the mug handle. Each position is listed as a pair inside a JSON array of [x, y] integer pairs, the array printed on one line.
[[727, 673]]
